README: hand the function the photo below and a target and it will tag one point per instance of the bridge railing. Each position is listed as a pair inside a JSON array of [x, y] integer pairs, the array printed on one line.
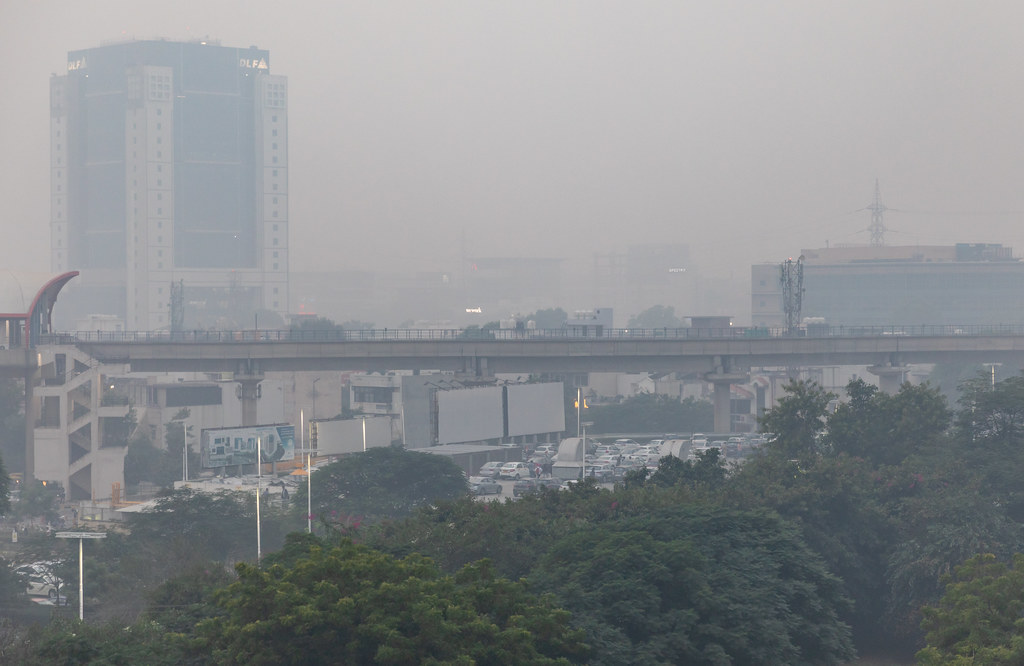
[[519, 335]]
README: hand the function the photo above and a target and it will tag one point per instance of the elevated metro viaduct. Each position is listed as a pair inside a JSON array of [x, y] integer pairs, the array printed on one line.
[[721, 360]]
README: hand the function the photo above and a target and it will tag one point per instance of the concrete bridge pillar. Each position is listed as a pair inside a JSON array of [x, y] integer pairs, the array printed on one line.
[[723, 377], [890, 376], [249, 376]]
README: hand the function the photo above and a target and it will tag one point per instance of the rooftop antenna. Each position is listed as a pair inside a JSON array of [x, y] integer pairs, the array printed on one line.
[[877, 227], [791, 278]]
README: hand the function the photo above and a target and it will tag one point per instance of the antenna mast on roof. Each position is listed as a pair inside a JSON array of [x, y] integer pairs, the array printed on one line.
[[791, 279], [877, 227]]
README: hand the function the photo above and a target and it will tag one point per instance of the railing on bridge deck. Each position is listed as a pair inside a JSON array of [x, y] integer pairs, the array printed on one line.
[[406, 334]]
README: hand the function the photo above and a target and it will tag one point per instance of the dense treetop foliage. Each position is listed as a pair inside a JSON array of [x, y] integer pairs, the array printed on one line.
[[829, 539]]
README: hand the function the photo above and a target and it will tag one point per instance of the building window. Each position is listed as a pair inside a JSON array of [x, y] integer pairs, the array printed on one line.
[[274, 186], [274, 173], [275, 241], [275, 215], [272, 132], [274, 159]]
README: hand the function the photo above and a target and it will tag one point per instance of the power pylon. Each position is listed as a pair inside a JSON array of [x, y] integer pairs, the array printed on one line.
[[877, 227]]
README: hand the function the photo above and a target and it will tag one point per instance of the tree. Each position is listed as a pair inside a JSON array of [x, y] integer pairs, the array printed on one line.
[[887, 429], [657, 316], [652, 412], [353, 605], [387, 482], [978, 620], [697, 584], [551, 318], [797, 422], [708, 471]]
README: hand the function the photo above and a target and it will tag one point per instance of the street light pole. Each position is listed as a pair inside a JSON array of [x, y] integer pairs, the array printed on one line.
[[81, 581], [314, 397], [259, 476]]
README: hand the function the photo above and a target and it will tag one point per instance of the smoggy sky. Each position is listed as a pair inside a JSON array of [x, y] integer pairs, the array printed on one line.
[[420, 131]]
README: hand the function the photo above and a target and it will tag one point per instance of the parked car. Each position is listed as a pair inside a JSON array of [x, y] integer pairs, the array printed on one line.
[[40, 580], [515, 470], [525, 487], [546, 449], [490, 469], [550, 483], [484, 485]]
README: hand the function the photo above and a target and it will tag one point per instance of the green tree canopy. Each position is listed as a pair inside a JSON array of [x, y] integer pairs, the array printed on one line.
[[980, 617], [657, 316], [651, 412], [351, 604], [696, 584], [798, 420], [386, 482]]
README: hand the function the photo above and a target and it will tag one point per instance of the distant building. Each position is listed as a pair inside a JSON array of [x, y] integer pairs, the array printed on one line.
[[898, 285], [169, 164]]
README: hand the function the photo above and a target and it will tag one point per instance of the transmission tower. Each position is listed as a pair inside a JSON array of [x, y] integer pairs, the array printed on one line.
[[877, 227], [791, 277]]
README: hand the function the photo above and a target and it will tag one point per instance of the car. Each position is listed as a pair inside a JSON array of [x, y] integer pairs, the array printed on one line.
[[550, 483], [601, 472], [484, 485], [548, 450], [525, 487], [40, 580], [490, 469], [515, 470]]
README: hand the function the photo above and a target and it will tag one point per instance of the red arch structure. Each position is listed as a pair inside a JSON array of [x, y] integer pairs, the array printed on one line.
[[26, 305]]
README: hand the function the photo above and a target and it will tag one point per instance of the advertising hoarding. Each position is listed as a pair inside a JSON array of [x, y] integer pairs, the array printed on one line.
[[535, 408], [469, 415], [237, 446]]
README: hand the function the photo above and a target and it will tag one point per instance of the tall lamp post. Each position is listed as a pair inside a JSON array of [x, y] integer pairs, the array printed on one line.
[[259, 477], [81, 536], [309, 473], [585, 424]]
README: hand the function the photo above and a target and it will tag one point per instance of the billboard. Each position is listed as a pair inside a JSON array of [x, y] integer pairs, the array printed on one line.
[[535, 408], [237, 446], [350, 435], [469, 415]]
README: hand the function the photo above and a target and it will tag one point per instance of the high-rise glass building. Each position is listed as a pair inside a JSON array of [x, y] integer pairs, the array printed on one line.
[[169, 184]]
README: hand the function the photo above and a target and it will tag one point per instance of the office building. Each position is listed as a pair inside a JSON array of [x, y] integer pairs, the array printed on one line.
[[169, 184], [963, 284]]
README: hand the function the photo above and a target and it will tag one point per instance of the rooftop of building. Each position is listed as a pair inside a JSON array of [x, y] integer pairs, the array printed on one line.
[[908, 254]]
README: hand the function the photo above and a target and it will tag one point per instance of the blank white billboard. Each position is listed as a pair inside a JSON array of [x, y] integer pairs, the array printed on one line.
[[347, 435], [470, 415], [535, 408]]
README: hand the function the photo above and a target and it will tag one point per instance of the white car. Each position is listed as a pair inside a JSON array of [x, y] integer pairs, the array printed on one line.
[[515, 470], [40, 580], [484, 485]]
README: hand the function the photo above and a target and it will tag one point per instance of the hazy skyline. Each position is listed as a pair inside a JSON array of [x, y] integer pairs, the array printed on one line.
[[422, 131]]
